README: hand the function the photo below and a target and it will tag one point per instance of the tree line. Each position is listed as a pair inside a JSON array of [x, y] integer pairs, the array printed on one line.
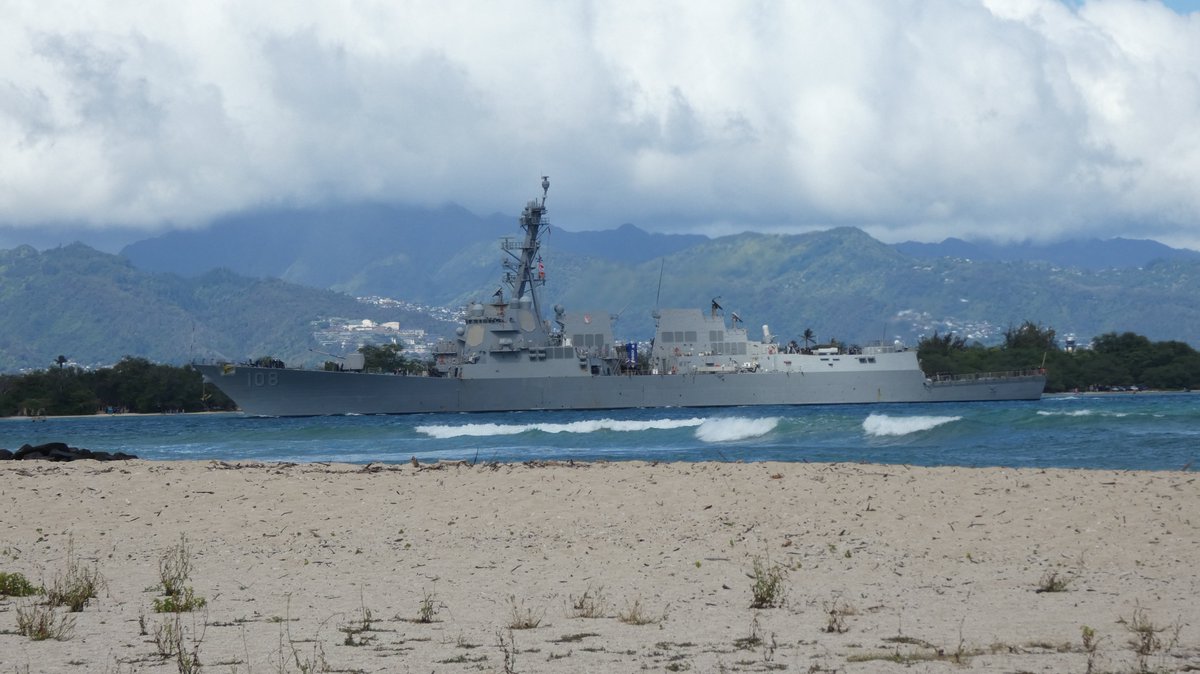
[[137, 385], [132, 385], [1114, 360]]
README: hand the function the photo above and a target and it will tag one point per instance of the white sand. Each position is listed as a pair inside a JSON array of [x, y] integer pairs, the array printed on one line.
[[289, 556]]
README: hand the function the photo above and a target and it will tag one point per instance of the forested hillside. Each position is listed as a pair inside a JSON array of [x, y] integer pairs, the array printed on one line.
[[95, 308]]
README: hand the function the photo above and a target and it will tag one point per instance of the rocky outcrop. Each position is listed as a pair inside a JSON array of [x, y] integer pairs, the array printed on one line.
[[59, 451]]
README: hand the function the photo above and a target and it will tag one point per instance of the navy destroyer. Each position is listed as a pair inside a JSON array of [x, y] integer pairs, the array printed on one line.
[[507, 356]]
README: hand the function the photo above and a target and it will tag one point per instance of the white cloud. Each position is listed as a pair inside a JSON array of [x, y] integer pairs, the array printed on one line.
[[925, 119]]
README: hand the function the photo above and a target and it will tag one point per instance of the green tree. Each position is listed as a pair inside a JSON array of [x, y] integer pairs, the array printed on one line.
[[52, 391], [1126, 359], [944, 354], [386, 357], [1124, 343], [1030, 336]]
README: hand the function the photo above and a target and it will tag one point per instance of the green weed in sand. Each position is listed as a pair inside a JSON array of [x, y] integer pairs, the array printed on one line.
[[183, 602], [175, 567], [16, 585], [768, 590], [76, 585]]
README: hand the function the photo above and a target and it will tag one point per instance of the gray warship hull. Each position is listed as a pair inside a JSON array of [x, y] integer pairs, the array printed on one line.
[[287, 392]]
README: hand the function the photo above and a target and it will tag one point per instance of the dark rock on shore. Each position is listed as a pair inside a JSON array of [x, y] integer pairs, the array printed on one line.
[[59, 451]]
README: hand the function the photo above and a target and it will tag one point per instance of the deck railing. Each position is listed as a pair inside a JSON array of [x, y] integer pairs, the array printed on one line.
[[944, 377]]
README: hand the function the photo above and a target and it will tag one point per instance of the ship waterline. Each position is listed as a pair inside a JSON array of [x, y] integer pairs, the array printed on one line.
[[291, 392]]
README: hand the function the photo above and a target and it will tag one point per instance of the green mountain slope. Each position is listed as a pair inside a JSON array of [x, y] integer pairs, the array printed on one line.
[[96, 308]]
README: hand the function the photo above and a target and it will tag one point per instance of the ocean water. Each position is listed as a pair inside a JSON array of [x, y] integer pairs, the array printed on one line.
[[1121, 431]]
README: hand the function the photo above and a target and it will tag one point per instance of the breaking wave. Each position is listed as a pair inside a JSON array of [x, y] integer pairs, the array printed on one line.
[[589, 426], [1081, 413], [881, 425], [732, 429]]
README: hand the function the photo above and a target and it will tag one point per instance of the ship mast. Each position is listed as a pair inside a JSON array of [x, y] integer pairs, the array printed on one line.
[[523, 274]]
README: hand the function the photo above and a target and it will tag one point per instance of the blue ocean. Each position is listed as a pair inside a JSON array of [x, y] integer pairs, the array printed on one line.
[[1144, 431]]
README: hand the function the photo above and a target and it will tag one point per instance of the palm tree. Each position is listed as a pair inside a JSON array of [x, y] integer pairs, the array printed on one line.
[[809, 338], [61, 360]]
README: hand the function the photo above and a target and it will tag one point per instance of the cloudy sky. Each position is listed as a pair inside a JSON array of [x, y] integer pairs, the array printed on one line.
[[913, 119]]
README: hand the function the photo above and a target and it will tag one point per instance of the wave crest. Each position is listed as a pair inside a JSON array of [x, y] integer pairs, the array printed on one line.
[[732, 429], [881, 425], [442, 431]]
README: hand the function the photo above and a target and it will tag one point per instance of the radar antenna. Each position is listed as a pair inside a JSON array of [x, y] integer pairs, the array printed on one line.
[[522, 279]]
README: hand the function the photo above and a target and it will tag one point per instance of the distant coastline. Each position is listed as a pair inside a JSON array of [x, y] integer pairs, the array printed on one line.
[[115, 415]]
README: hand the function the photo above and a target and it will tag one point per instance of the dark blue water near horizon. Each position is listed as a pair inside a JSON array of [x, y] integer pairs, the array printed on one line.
[[1146, 431]]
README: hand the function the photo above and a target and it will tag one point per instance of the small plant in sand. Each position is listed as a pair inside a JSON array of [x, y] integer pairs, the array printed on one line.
[[362, 623], [16, 585], [40, 622], [521, 617], [171, 640], [636, 614], [1146, 637], [76, 585], [768, 590], [183, 602], [1090, 646], [836, 612], [167, 637], [508, 650], [174, 570], [427, 610], [751, 640], [188, 662], [591, 604], [175, 567], [1053, 581], [290, 656]]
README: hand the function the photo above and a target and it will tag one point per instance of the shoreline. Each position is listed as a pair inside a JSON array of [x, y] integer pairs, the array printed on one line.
[[908, 564], [118, 415]]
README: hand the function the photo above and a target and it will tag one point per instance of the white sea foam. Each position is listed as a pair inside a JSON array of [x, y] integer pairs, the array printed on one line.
[[1083, 413], [731, 429], [883, 425], [588, 426]]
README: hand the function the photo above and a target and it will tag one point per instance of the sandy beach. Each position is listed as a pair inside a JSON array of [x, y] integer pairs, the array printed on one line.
[[879, 568]]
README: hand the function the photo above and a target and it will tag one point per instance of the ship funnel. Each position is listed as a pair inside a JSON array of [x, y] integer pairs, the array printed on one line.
[[766, 334]]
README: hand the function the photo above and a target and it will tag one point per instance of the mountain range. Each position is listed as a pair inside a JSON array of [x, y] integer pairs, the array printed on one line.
[[283, 270], [96, 308], [1093, 254]]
